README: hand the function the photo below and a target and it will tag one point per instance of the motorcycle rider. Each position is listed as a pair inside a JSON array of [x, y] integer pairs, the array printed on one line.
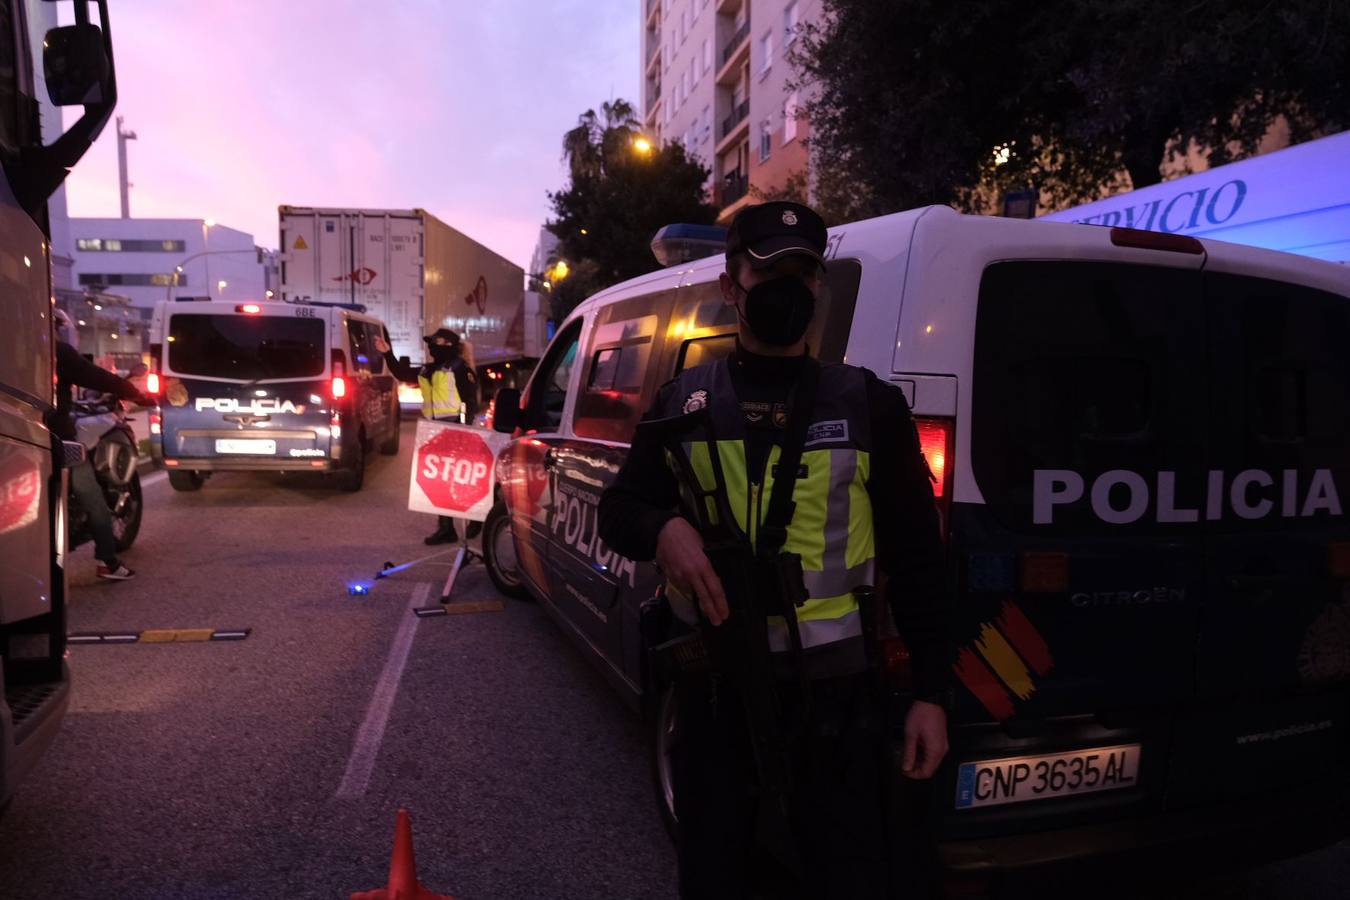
[[73, 369]]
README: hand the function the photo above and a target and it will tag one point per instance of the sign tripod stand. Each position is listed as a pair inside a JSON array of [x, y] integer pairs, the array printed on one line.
[[465, 555]]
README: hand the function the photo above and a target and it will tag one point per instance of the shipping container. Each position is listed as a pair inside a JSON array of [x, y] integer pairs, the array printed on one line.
[[410, 270]]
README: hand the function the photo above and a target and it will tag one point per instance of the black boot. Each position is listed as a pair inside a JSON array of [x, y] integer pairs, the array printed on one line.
[[444, 534]]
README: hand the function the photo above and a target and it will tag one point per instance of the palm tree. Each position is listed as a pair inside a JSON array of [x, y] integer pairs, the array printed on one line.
[[592, 146]]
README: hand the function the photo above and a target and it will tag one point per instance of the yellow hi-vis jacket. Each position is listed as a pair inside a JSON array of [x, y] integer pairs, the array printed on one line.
[[831, 526], [440, 394]]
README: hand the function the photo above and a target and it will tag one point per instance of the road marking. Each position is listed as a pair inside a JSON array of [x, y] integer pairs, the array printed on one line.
[[366, 747], [152, 480], [159, 636]]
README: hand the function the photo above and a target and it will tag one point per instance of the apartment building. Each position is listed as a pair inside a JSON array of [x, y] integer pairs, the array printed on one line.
[[715, 76]]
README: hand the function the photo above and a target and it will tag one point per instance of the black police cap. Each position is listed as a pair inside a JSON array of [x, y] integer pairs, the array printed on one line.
[[769, 231], [450, 337]]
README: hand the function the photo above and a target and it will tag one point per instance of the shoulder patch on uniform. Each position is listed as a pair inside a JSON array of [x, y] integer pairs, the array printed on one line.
[[827, 432], [695, 401]]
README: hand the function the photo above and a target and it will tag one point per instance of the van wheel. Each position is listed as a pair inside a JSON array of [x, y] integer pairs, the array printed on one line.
[[390, 447], [350, 480], [499, 554], [186, 481], [665, 727]]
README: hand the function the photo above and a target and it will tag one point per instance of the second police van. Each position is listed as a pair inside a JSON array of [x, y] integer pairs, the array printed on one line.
[[279, 387], [1141, 446]]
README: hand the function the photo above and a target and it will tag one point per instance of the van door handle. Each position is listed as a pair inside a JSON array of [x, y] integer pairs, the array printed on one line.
[[550, 458]]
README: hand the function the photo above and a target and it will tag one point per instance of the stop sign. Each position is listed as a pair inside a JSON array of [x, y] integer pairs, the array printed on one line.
[[453, 469]]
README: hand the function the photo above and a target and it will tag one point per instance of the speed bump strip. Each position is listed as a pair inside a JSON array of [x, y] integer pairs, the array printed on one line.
[[459, 608], [159, 636]]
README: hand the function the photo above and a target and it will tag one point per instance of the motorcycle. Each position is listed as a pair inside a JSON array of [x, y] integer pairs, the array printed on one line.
[[104, 429]]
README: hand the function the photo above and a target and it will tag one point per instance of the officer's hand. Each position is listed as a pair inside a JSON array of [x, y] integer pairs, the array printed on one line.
[[679, 553], [381, 344], [925, 740]]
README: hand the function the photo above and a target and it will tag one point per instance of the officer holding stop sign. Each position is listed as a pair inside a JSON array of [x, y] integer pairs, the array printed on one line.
[[449, 389]]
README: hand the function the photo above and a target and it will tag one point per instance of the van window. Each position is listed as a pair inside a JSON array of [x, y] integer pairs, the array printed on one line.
[[1088, 368], [246, 347], [548, 389], [701, 351], [362, 351], [376, 357], [613, 398]]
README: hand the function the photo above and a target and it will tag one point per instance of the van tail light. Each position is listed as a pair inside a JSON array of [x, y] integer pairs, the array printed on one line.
[[156, 422], [152, 383], [339, 383], [249, 309], [1045, 573], [1155, 240], [935, 441]]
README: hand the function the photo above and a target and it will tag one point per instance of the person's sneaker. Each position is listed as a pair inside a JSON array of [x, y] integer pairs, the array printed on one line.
[[115, 571], [441, 536]]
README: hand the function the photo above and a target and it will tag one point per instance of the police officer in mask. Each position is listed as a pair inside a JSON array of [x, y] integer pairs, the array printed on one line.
[[449, 394], [862, 500]]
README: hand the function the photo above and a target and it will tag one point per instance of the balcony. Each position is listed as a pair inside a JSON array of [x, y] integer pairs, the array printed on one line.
[[653, 57], [730, 47], [734, 186], [653, 95], [653, 9], [739, 113]]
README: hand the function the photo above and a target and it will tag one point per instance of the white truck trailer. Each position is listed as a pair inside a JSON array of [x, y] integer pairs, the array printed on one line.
[[413, 272]]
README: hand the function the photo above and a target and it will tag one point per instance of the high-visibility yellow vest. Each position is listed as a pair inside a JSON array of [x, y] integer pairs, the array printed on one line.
[[831, 526], [440, 395]]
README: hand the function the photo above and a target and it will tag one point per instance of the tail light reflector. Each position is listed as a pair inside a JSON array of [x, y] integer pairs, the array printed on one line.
[[1338, 559], [156, 423], [1045, 573]]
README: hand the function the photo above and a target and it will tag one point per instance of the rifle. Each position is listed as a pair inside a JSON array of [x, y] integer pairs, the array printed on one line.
[[758, 582]]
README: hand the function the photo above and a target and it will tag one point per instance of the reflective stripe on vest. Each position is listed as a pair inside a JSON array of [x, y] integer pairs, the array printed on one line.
[[440, 395], [831, 527]]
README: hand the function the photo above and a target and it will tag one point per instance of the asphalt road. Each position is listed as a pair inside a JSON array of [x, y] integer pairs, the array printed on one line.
[[273, 767], [213, 770]]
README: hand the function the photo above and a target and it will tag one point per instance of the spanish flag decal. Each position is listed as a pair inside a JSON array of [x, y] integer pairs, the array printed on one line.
[[1001, 664]]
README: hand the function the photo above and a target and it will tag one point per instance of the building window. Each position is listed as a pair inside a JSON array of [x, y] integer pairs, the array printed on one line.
[[790, 117], [125, 245], [130, 279], [707, 54], [790, 23], [766, 52], [693, 70], [707, 125], [765, 139]]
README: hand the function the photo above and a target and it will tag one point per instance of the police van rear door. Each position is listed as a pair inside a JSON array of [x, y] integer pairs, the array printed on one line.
[[1274, 639], [246, 383]]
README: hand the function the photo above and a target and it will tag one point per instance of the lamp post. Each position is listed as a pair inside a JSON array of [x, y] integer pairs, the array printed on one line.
[[178, 270]]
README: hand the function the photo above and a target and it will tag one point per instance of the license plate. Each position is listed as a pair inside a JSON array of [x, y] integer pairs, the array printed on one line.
[[994, 782], [246, 445]]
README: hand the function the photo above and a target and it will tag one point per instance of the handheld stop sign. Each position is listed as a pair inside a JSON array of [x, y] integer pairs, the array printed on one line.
[[453, 470]]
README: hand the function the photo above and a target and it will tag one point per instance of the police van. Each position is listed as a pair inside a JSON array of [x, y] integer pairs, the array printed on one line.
[[280, 387], [1141, 451]]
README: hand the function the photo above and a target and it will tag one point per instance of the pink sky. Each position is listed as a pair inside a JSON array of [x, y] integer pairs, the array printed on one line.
[[452, 106]]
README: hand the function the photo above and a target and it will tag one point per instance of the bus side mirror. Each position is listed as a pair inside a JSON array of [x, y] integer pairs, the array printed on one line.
[[506, 411], [77, 70]]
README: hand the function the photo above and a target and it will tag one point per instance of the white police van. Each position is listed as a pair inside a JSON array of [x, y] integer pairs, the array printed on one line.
[[282, 387], [1141, 445]]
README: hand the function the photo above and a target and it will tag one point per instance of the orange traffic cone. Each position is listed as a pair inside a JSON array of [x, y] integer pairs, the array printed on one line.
[[403, 883]]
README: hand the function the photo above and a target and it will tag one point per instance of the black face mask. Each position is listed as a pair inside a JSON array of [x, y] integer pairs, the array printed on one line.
[[779, 311], [442, 353]]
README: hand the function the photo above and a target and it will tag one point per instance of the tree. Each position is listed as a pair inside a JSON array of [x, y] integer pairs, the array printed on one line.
[[922, 101], [620, 192]]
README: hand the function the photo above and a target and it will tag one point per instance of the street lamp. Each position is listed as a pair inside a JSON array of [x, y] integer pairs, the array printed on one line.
[[178, 270], [642, 145]]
